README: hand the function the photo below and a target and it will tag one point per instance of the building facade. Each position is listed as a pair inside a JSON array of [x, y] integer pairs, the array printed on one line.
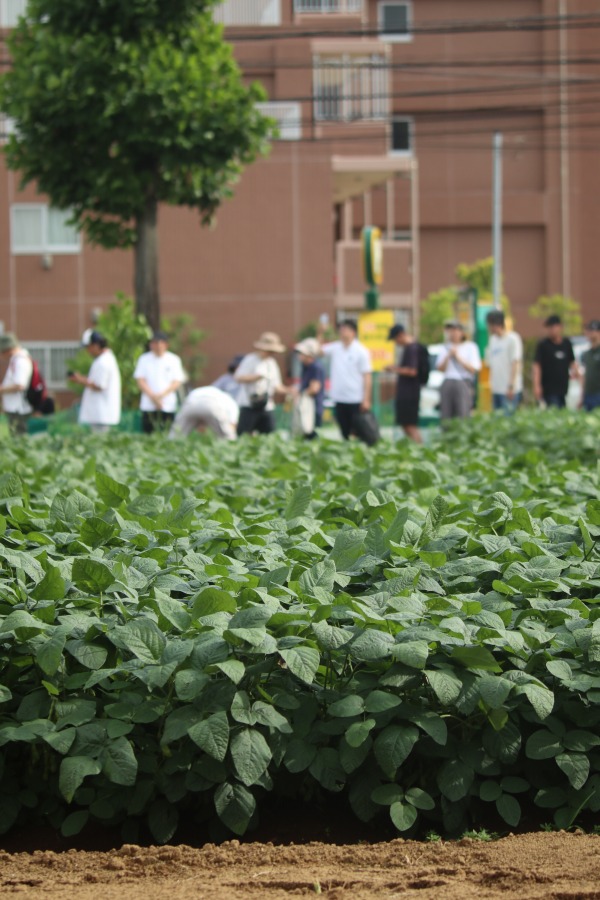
[[386, 114]]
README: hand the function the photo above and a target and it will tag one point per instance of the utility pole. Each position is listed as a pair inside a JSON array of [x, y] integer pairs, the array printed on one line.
[[497, 219]]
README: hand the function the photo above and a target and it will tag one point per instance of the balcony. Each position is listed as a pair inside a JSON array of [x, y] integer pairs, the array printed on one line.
[[328, 7], [350, 87], [248, 13]]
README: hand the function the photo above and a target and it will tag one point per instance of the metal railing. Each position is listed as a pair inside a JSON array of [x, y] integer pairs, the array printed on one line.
[[248, 12], [350, 88], [10, 10], [329, 7], [288, 117]]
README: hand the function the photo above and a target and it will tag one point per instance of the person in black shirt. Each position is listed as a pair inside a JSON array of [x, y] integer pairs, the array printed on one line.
[[408, 387], [554, 363]]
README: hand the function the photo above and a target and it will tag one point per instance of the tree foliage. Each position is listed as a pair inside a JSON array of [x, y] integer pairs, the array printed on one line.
[[568, 309]]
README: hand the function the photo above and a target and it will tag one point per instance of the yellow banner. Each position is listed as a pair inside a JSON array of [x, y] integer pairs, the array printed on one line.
[[373, 329]]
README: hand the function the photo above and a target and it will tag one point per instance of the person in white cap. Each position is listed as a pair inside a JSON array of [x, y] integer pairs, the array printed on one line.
[[261, 385], [207, 407], [17, 379], [101, 399], [312, 380]]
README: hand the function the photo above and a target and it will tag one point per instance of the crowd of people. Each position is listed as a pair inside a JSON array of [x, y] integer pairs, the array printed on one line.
[[243, 400]]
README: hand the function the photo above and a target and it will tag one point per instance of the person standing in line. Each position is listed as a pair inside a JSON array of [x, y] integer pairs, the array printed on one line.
[[101, 399], [504, 356], [259, 377], [408, 386], [351, 375], [15, 384], [312, 380], [591, 362], [159, 374], [553, 365], [207, 407], [460, 361]]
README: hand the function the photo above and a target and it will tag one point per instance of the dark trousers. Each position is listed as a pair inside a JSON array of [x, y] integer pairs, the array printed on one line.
[[557, 400], [156, 421], [344, 414], [255, 420]]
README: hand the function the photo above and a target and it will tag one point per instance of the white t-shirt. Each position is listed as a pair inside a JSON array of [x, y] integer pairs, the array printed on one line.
[[500, 354], [469, 352], [159, 372], [349, 365], [19, 372], [253, 364], [102, 407], [210, 406]]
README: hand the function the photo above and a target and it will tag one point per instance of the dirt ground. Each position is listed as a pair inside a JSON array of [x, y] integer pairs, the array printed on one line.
[[553, 866]]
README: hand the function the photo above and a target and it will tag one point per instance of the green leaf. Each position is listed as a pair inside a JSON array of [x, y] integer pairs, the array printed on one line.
[[235, 806], [250, 754], [212, 735], [119, 763], [433, 520], [393, 746], [445, 684], [403, 815], [540, 698], [91, 575], [326, 768], [347, 707], [92, 656], [51, 587], [73, 770], [412, 653], [299, 755], [233, 668], [212, 600], [74, 823], [298, 502], [386, 794], [476, 658], [359, 732], [302, 662], [50, 655], [510, 809], [542, 744], [419, 798], [380, 701], [163, 820], [454, 779], [112, 492], [576, 767], [490, 791]]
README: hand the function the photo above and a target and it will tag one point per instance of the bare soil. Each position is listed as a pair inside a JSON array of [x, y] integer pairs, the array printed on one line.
[[556, 866]]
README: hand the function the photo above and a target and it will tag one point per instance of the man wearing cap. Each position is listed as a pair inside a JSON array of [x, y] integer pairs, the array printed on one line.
[[351, 378], [259, 376], [312, 380], [554, 363], [207, 407], [504, 356], [15, 384], [159, 374], [408, 386], [101, 399], [591, 363], [460, 361]]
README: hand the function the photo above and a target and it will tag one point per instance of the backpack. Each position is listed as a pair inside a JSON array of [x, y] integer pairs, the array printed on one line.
[[424, 367], [36, 392]]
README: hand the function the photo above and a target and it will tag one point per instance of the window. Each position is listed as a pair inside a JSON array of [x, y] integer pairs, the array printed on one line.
[[395, 21], [53, 357], [248, 12], [35, 228], [7, 127], [11, 11], [350, 88], [288, 117], [401, 136], [328, 7]]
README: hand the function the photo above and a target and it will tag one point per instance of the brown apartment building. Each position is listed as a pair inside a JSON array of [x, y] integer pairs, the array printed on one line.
[[387, 111]]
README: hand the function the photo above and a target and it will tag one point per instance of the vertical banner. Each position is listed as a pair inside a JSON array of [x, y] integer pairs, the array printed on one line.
[[373, 329]]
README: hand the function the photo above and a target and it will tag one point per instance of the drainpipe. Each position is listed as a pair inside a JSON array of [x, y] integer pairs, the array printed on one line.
[[565, 204]]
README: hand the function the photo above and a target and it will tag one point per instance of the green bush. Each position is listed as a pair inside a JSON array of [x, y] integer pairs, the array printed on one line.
[[184, 631]]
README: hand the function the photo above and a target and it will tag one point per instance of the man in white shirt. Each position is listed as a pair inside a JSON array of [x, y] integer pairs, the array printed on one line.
[[504, 356], [207, 407], [101, 399], [350, 375], [159, 374], [259, 377], [15, 384], [460, 361]]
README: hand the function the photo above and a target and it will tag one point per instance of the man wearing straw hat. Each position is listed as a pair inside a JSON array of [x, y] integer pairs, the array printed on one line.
[[259, 376]]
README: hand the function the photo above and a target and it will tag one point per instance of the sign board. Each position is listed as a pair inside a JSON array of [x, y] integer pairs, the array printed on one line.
[[373, 329]]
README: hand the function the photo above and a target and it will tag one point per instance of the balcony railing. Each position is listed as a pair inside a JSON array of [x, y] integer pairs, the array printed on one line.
[[288, 117], [350, 88], [10, 10], [248, 12], [329, 7]]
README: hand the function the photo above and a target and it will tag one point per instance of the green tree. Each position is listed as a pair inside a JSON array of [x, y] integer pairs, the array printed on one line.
[[435, 309], [125, 104], [568, 309], [184, 339]]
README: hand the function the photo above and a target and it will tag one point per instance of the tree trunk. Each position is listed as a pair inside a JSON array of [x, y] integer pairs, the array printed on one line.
[[147, 298]]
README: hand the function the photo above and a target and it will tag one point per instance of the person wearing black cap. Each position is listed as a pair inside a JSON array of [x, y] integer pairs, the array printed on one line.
[[408, 386], [554, 363], [159, 374], [100, 406], [591, 363]]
